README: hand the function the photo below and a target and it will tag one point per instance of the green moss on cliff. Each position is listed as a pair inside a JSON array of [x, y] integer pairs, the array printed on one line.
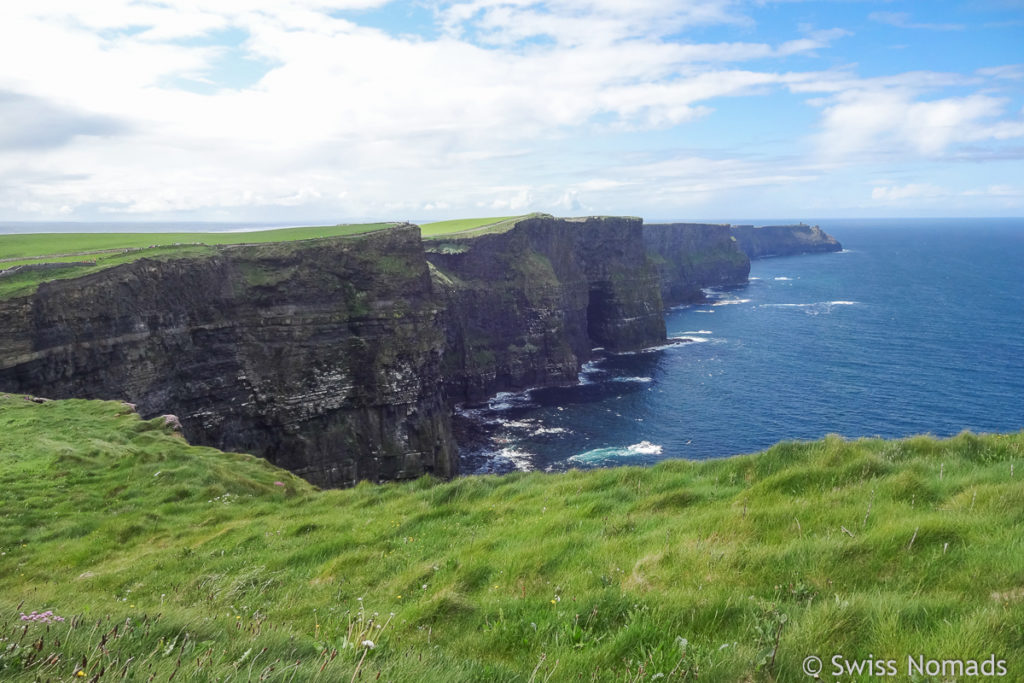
[[189, 561]]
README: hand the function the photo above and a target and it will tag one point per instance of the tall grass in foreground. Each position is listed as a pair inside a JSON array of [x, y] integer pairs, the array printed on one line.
[[171, 562]]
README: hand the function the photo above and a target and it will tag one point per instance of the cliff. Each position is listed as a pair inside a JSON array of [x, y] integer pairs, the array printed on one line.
[[323, 356], [525, 305], [783, 240], [691, 256], [340, 358]]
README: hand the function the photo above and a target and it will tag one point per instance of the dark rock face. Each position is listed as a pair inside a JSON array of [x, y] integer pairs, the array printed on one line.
[[340, 359], [783, 240], [691, 256], [322, 356], [525, 307]]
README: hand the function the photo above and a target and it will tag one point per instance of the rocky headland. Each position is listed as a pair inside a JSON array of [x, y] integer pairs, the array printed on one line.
[[783, 240]]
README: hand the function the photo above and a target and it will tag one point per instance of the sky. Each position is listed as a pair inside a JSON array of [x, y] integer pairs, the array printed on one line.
[[301, 111]]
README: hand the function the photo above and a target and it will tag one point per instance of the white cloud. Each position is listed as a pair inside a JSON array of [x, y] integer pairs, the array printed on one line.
[[902, 20], [350, 121], [897, 193], [348, 117], [579, 22], [892, 121]]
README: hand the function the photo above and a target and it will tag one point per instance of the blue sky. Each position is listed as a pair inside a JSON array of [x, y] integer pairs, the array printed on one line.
[[338, 110]]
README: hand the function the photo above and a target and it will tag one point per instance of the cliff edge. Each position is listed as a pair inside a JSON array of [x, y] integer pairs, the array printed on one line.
[[525, 306], [323, 356]]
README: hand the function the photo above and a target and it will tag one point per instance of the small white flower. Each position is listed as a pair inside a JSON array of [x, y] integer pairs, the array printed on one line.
[[368, 644]]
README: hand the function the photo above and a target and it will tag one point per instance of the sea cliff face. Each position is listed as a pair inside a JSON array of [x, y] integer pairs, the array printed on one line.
[[525, 307], [783, 240], [323, 356], [340, 359], [692, 256]]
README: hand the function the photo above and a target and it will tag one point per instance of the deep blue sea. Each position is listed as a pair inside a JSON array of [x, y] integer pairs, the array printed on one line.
[[916, 327]]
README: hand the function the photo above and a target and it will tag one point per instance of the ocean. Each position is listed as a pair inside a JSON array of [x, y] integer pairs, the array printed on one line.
[[916, 327]]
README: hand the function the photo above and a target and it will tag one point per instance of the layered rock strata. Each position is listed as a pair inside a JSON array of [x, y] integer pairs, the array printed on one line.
[[526, 306], [692, 256], [323, 356]]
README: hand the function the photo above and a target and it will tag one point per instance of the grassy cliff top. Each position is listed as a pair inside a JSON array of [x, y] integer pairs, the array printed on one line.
[[465, 227], [472, 227], [84, 253], [162, 558]]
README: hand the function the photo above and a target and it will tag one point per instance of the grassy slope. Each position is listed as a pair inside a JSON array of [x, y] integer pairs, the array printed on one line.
[[42, 244], [472, 226], [80, 247], [166, 558]]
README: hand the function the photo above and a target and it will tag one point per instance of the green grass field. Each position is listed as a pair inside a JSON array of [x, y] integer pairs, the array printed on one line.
[[104, 250], [22, 248], [471, 226], [169, 561]]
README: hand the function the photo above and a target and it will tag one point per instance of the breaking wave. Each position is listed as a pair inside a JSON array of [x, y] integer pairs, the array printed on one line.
[[599, 455]]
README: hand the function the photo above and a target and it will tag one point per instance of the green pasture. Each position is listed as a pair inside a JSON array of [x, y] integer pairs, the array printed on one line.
[[167, 561]]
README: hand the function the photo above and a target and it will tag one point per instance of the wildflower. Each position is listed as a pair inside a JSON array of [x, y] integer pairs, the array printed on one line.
[[238, 617], [80, 674], [278, 483], [368, 644], [399, 597]]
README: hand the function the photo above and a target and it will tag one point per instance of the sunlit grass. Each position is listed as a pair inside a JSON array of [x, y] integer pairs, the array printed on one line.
[[90, 252], [446, 228], [169, 559]]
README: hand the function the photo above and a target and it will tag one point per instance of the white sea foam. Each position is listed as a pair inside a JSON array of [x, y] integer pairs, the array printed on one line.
[[671, 342], [507, 399], [551, 430], [782, 278], [501, 459], [703, 311], [815, 308], [697, 332], [632, 379], [514, 424], [753, 278], [730, 302], [587, 371], [599, 455], [522, 460]]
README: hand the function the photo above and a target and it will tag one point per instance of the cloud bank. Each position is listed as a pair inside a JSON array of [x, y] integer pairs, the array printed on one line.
[[348, 109]]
